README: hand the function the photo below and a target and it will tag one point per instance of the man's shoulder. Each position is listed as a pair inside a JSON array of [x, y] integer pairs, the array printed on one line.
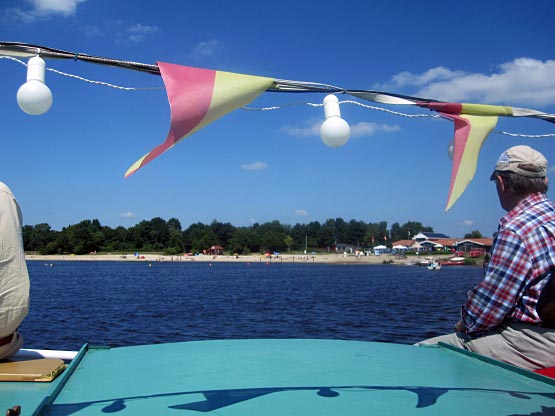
[[4, 187], [538, 211]]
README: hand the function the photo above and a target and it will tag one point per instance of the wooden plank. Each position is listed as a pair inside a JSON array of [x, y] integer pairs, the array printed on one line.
[[43, 369]]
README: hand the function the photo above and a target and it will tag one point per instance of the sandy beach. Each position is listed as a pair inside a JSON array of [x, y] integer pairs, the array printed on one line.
[[286, 258]]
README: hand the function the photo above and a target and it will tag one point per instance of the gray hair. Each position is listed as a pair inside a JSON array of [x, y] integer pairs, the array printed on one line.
[[522, 185]]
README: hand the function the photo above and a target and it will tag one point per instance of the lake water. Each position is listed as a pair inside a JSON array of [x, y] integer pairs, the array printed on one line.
[[126, 303]]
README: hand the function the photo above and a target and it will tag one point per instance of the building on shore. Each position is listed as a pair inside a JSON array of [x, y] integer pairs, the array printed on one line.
[[437, 242]]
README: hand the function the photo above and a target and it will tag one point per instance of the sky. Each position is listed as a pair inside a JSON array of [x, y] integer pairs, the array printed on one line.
[[68, 165]]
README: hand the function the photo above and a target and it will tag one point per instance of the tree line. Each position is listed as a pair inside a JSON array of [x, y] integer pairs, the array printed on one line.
[[159, 235]]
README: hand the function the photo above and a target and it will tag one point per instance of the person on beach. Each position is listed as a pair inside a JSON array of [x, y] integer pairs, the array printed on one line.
[[505, 316], [14, 278]]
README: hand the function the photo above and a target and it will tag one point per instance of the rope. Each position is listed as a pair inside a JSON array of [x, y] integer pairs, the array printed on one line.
[[370, 107], [279, 107], [530, 136], [105, 84], [13, 59]]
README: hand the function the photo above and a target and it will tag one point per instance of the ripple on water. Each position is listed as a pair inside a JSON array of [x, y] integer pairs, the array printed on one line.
[[123, 303]]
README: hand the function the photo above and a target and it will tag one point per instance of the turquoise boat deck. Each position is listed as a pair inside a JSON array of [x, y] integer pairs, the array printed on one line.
[[283, 377]]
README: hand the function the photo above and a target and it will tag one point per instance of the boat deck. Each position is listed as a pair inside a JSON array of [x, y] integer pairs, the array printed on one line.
[[283, 377]]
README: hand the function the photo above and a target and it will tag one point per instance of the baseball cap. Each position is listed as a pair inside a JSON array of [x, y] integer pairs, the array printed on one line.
[[522, 160]]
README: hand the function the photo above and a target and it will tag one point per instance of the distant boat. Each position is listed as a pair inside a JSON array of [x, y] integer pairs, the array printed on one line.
[[434, 264], [454, 261]]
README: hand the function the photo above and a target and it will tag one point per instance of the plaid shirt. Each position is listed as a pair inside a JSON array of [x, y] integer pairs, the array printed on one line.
[[522, 254]]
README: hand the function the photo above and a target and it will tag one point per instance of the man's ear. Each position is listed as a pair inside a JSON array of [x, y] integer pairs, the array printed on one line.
[[501, 183]]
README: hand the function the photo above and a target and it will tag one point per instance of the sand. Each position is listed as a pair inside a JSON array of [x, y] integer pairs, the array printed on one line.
[[285, 258]]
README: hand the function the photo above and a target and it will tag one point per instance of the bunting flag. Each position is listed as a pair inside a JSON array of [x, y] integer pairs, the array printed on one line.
[[473, 124], [470, 134], [198, 97], [471, 109]]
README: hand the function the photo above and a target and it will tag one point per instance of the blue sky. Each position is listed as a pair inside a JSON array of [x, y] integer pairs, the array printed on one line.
[[68, 164]]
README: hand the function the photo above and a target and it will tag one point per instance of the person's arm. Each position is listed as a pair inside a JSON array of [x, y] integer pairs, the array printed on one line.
[[459, 326], [14, 279], [495, 297]]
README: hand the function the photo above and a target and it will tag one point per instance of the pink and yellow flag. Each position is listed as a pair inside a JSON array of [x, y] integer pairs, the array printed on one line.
[[470, 133], [473, 124], [198, 97]]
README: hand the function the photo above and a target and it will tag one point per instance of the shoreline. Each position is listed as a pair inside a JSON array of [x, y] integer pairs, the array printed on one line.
[[286, 258]]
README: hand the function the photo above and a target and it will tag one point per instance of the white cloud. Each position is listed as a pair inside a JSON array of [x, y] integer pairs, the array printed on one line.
[[301, 212], [41, 10], [524, 81], [127, 214], [205, 49], [367, 129], [310, 128], [255, 166], [92, 31], [468, 223], [137, 32], [66, 7], [439, 73], [362, 129]]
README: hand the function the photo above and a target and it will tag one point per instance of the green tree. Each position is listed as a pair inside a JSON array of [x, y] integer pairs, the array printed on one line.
[[199, 237], [326, 236], [26, 231], [356, 232], [84, 237], [138, 235], [191, 234], [375, 234], [298, 233], [273, 235], [174, 224], [341, 232], [158, 234], [241, 241], [288, 240], [397, 233], [313, 230], [473, 234], [117, 239], [175, 243], [208, 239], [273, 240], [35, 238], [224, 232]]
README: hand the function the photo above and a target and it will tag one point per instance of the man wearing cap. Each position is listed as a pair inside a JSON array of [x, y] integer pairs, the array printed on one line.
[[14, 279], [504, 316]]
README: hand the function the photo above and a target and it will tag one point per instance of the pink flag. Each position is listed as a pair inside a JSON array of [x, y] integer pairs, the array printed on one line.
[[470, 134], [473, 124], [198, 97]]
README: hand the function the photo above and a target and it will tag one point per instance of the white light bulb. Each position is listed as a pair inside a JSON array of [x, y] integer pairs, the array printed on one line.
[[450, 149], [334, 131], [34, 97]]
